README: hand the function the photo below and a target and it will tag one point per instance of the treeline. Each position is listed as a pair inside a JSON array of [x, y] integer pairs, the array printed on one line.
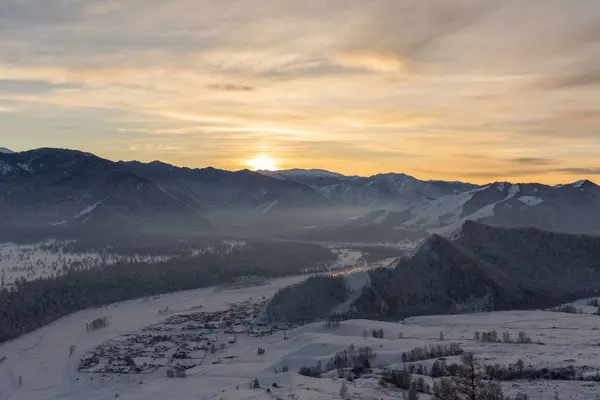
[[517, 371], [33, 304], [307, 301], [431, 352], [125, 241], [469, 382], [357, 358], [492, 337]]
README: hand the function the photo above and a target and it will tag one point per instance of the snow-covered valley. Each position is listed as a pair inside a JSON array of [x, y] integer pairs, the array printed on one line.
[[39, 365]]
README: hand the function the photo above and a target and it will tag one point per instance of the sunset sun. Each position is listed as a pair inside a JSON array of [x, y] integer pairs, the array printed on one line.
[[263, 162]]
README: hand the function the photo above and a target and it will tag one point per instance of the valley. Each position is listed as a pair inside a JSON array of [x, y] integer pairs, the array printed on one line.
[[41, 361]]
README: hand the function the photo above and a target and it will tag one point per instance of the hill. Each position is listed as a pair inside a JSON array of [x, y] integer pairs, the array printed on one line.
[[482, 268]]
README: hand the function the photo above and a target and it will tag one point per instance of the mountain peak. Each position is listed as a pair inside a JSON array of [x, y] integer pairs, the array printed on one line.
[[4, 150], [583, 184]]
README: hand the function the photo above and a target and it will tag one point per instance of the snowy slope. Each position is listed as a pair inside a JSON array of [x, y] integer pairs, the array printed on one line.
[[4, 150]]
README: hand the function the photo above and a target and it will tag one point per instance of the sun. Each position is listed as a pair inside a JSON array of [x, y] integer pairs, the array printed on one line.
[[263, 162]]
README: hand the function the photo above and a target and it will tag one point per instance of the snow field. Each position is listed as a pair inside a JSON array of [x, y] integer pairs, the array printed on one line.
[[41, 357]]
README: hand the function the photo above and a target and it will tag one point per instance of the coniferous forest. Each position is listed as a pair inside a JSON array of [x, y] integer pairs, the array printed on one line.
[[32, 304]]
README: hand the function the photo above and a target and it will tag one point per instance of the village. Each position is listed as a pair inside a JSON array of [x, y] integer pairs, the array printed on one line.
[[183, 343]]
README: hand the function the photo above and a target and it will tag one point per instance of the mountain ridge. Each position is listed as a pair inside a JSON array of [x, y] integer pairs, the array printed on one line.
[[51, 187]]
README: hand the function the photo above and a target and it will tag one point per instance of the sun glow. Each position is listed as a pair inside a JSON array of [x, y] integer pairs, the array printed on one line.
[[263, 162]]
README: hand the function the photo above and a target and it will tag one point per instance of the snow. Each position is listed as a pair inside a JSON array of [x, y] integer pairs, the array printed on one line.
[[347, 258], [4, 150], [25, 167], [46, 259], [87, 210], [513, 191], [579, 184], [266, 207], [5, 168], [301, 173], [446, 211], [59, 223], [41, 357], [530, 200], [484, 212], [356, 281]]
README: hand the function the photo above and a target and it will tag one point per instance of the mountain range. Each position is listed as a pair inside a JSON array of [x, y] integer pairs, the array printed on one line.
[[60, 187]]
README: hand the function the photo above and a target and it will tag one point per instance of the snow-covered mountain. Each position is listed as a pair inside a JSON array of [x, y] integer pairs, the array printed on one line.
[[382, 189], [572, 208], [4, 150], [53, 187], [62, 187], [58, 187]]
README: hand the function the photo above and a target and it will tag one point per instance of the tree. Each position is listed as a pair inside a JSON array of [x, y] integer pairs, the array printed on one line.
[[441, 336], [445, 390], [344, 390], [520, 366], [470, 381], [478, 336], [437, 369], [255, 383], [412, 392]]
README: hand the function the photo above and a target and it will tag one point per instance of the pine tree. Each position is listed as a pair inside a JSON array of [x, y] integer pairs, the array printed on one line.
[[412, 392]]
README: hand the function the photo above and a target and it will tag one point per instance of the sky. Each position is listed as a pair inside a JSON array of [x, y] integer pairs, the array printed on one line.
[[477, 90]]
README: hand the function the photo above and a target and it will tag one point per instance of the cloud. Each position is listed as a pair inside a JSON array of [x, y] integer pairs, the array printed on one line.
[[579, 171], [351, 85], [534, 161], [378, 62], [230, 87], [584, 74]]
